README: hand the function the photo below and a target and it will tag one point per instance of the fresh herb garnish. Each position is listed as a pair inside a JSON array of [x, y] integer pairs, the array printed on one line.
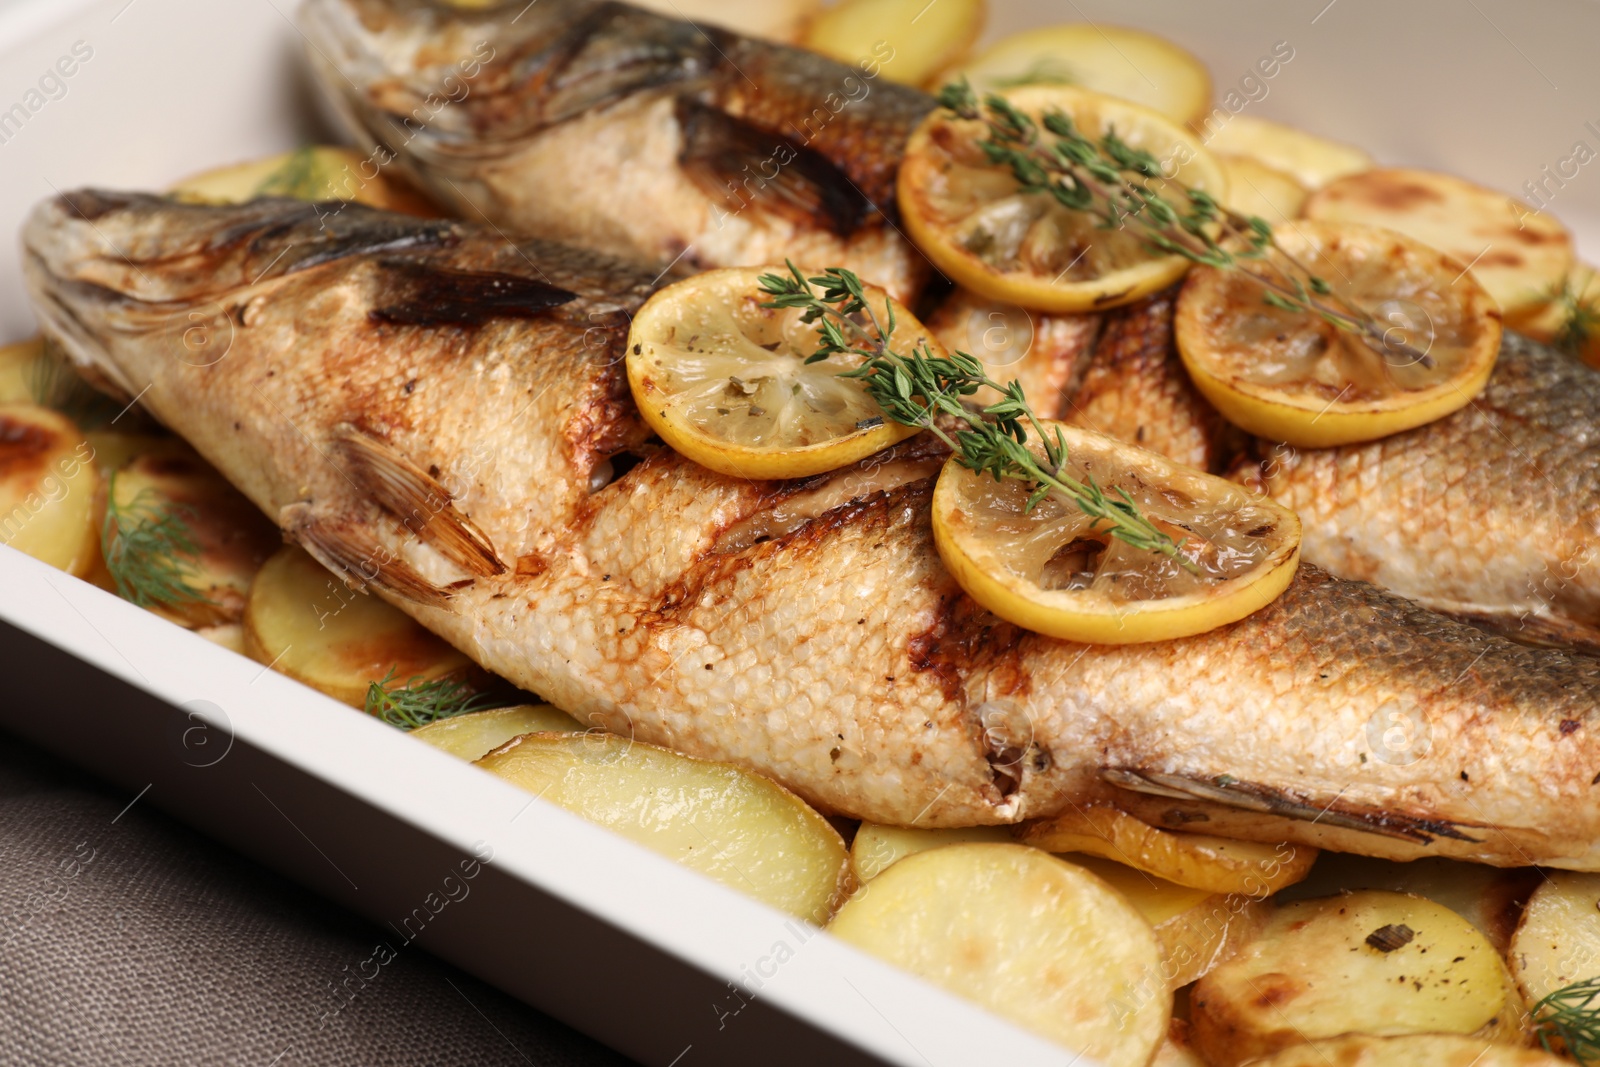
[[149, 549], [418, 702], [300, 176], [920, 389], [1114, 183], [1571, 1016], [1580, 315]]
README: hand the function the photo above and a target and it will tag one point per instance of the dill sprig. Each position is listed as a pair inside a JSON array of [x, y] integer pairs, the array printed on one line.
[[1580, 315], [418, 702], [1571, 1016], [920, 388], [1112, 181], [300, 176], [149, 549]]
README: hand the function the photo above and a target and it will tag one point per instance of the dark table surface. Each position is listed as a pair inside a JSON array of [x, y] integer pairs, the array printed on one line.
[[126, 938]]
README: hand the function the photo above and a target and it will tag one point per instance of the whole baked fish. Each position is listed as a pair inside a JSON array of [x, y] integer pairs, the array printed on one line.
[[442, 415], [621, 130], [1491, 514]]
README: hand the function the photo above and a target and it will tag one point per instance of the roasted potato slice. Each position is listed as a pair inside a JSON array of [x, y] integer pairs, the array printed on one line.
[[745, 831], [1569, 318], [875, 847], [1415, 1050], [230, 537], [907, 40], [302, 621], [1311, 160], [1200, 861], [1198, 929], [1176, 1051], [784, 21], [313, 172], [115, 449], [48, 489], [1517, 254], [1369, 962], [1114, 60], [1257, 189], [1558, 941], [1039, 941], [1490, 898], [475, 734]]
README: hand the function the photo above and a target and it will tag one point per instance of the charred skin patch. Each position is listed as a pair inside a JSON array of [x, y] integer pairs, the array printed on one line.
[[426, 294]]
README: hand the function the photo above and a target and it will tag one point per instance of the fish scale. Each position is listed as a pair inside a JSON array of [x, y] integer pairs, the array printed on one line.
[[837, 655]]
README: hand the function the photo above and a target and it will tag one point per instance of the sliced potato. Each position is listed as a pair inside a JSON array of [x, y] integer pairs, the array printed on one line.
[[1518, 255], [908, 40], [1372, 962], [1569, 318], [476, 734], [115, 449], [1176, 1050], [1114, 60], [230, 635], [1415, 1050], [875, 847], [314, 172], [16, 370], [1200, 861], [1198, 929], [233, 539], [1038, 941], [48, 488], [784, 21], [1257, 189], [304, 622], [745, 831], [1490, 898], [1558, 941], [1311, 160]]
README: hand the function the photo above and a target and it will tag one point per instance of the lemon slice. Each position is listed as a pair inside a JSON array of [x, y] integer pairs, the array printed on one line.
[[725, 381], [1130, 64], [1291, 376], [973, 219], [1050, 571]]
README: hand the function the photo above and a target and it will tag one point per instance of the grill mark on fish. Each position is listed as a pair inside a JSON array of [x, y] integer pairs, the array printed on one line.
[[424, 294]]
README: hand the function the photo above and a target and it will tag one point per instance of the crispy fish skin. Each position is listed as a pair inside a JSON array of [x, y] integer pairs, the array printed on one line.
[[1491, 514], [376, 387], [547, 118]]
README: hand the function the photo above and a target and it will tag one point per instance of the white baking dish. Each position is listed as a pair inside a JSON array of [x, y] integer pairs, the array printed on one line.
[[654, 960]]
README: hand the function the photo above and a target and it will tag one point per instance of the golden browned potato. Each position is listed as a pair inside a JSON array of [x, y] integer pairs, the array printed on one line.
[[1043, 943], [1369, 962], [48, 488], [1558, 941], [314, 172], [304, 622], [181, 541], [1217, 864], [1257, 189], [876, 847], [1311, 160], [1517, 254], [744, 830], [1417, 1050], [1569, 318], [907, 41], [477, 733]]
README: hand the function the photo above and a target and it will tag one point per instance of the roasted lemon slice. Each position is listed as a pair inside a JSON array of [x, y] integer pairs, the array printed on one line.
[[1050, 570], [1292, 376], [979, 226], [725, 381], [1130, 64]]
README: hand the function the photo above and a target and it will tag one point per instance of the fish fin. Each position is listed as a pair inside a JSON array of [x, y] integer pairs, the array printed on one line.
[[728, 159], [350, 551], [418, 500], [1251, 796], [1528, 628], [424, 294]]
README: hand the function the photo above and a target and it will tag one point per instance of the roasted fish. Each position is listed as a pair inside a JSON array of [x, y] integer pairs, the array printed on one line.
[[441, 416], [618, 129]]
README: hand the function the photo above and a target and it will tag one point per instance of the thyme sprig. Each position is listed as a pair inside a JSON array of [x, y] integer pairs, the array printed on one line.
[[1571, 1016], [1580, 315], [418, 702], [149, 549], [1114, 183], [921, 389]]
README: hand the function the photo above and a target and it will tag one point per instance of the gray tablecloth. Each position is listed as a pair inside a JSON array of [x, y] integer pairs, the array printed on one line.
[[126, 938]]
